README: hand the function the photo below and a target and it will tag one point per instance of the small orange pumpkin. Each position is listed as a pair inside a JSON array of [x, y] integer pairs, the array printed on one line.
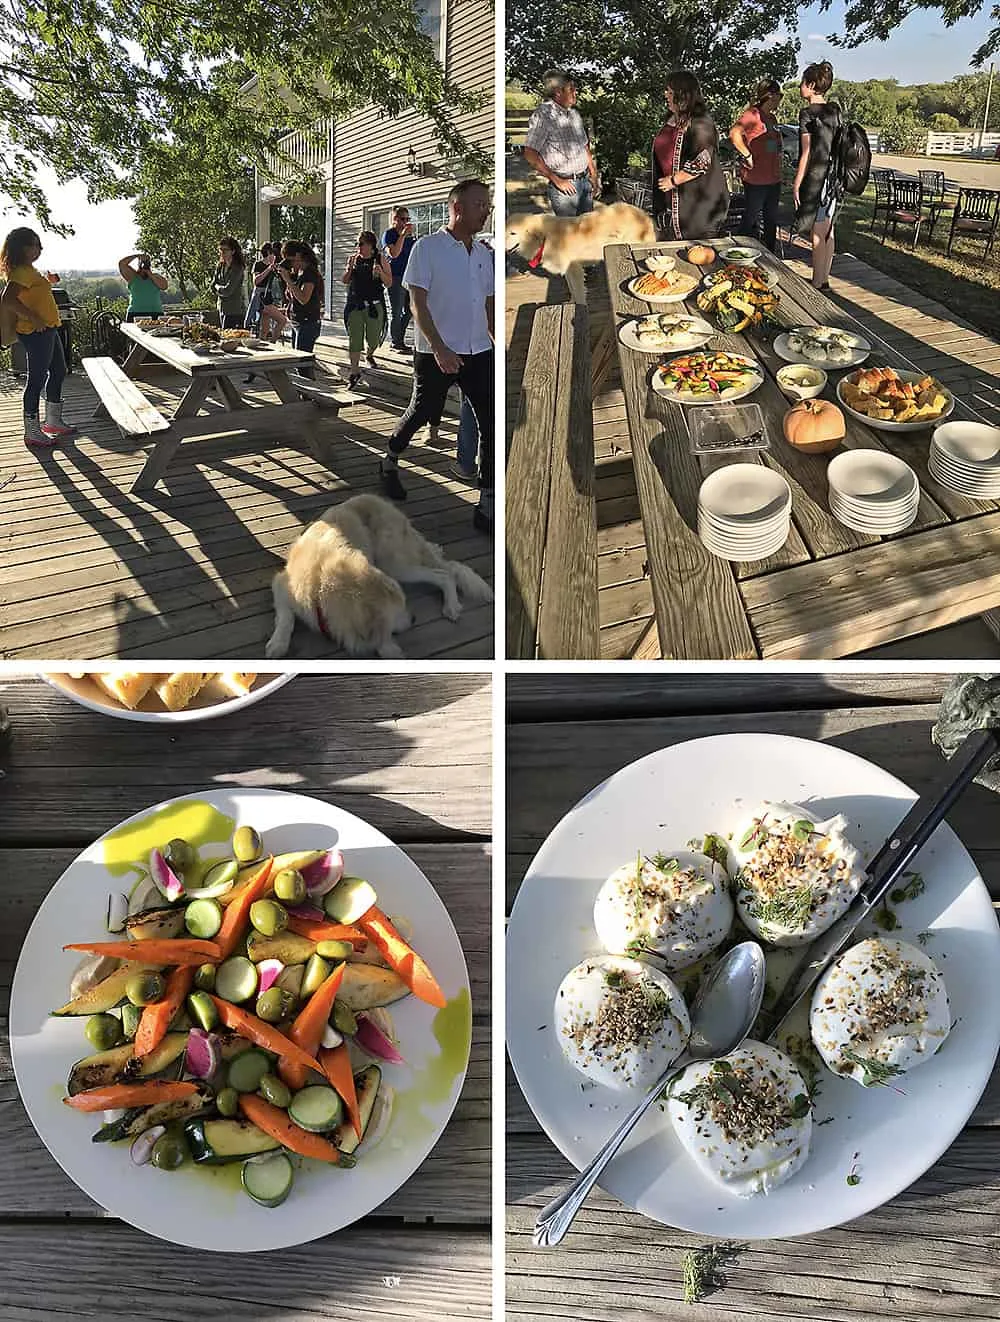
[[814, 425], [701, 255]]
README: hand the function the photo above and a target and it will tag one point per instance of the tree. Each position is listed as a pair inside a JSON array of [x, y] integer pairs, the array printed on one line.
[[942, 123], [875, 20], [621, 50], [903, 133], [89, 87]]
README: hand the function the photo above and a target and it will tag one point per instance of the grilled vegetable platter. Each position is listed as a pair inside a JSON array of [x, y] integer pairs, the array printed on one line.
[[739, 297], [232, 1012], [707, 378]]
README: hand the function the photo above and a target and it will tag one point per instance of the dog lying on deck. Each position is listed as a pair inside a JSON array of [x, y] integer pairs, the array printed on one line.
[[343, 576], [562, 245]]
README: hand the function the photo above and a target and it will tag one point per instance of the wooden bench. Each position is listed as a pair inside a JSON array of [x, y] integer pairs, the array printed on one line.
[[323, 393], [122, 400], [551, 515]]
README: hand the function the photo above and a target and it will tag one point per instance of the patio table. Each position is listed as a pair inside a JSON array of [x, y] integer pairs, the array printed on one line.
[[829, 591], [411, 758], [928, 1254]]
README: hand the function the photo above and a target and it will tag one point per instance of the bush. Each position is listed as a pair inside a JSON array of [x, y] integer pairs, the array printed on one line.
[[903, 133], [942, 123]]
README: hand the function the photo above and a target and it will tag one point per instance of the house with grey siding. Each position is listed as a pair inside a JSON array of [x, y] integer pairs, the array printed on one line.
[[369, 163]]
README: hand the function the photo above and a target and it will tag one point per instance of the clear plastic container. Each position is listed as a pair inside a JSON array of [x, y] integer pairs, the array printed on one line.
[[725, 428]]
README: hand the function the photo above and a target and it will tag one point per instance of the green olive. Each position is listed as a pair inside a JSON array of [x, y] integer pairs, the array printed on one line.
[[103, 1031], [290, 886], [344, 1019], [246, 844], [334, 949], [144, 988], [228, 1102], [273, 1090], [268, 917], [204, 978], [179, 855], [274, 1004], [168, 1153]]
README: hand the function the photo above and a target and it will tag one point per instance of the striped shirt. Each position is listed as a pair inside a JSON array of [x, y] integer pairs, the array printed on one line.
[[559, 137]]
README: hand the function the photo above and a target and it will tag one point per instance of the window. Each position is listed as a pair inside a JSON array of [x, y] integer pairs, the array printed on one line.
[[432, 17], [426, 217]]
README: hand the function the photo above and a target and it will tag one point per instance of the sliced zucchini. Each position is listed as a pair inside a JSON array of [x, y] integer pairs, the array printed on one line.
[[268, 1179], [344, 1019], [247, 1070], [202, 1009], [289, 947], [155, 924], [366, 986], [140, 1118], [214, 1142], [290, 979], [107, 994], [131, 1014], [231, 1044], [316, 1108], [218, 880], [349, 899], [236, 980], [203, 918], [317, 971], [366, 1085], [119, 1065]]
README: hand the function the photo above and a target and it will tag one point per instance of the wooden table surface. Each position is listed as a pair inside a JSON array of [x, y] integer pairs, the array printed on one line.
[[930, 1253], [824, 594], [411, 754], [171, 350]]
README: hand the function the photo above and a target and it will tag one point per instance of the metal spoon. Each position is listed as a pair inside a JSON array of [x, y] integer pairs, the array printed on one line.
[[723, 1013]]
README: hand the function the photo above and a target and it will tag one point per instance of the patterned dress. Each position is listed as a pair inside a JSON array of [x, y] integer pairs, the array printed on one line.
[[698, 207]]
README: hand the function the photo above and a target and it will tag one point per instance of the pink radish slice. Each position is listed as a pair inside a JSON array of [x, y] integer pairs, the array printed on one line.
[[306, 910], [142, 1149], [201, 1059], [268, 971], [167, 881], [370, 1038], [324, 874]]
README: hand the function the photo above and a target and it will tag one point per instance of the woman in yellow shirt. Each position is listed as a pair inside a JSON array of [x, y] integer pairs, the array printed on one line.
[[37, 328]]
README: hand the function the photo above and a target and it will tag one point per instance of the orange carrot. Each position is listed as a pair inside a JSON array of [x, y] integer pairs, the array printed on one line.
[[337, 1068], [245, 878], [401, 957], [262, 1034], [158, 950], [307, 1030], [275, 1122], [316, 930], [156, 1017], [237, 915], [118, 1095]]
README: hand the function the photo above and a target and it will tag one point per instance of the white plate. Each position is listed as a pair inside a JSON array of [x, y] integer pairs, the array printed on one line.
[[627, 335], [728, 396], [860, 524], [738, 256], [745, 494], [190, 1206], [681, 793], [792, 356], [770, 278], [744, 557], [882, 424], [211, 701], [872, 477], [965, 487], [973, 445], [660, 298]]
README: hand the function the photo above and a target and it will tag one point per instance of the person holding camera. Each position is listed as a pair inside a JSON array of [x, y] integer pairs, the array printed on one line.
[[303, 281], [367, 276], [265, 312], [144, 286], [398, 243]]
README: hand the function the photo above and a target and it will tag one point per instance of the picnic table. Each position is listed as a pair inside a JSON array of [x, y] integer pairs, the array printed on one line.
[[413, 759], [824, 594], [927, 1254]]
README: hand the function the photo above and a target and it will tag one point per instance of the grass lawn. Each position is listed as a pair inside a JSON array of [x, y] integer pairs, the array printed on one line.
[[966, 283]]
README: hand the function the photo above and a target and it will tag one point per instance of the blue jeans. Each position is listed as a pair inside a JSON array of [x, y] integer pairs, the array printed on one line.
[[468, 436], [762, 212], [304, 337], [399, 301], [573, 204], [46, 367]]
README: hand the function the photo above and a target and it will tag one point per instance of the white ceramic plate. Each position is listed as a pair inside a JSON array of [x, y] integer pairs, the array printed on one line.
[[211, 701], [738, 256], [191, 1206], [883, 424], [661, 298], [871, 478], [973, 445], [770, 278], [681, 793], [728, 396], [745, 494], [627, 335], [792, 356]]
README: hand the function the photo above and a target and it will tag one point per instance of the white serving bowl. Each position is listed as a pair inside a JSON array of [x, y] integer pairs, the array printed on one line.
[[210, 702], [871, 477], [744, 494], [786, 378], [971, 445]]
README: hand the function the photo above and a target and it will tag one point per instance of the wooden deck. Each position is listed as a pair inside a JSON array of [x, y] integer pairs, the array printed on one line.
[[930, 335], [89, 570]]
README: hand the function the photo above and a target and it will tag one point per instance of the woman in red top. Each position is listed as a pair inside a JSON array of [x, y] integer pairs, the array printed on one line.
[[690, 198], [757, 138]]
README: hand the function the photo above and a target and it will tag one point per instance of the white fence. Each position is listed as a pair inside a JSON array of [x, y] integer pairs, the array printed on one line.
[[308, 150], [958, 144]]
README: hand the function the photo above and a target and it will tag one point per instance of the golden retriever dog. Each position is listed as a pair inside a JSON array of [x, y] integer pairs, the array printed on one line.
[[563, 245], [343, 575]]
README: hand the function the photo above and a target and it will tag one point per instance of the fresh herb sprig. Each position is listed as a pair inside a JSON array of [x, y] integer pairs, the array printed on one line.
[[704, 1268], [789, 910], [876, 1072]]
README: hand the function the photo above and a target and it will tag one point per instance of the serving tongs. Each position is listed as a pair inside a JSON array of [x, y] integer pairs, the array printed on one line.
[[913, 832]]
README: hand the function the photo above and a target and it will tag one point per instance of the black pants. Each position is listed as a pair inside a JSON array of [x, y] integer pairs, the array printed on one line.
[[762, 212], [430, 388]]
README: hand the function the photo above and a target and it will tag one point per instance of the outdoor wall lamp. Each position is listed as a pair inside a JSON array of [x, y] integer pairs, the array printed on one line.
[[411, 161]]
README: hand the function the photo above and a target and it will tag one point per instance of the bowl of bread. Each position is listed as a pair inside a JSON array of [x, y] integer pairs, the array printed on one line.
[[895, 401], [165, 697]]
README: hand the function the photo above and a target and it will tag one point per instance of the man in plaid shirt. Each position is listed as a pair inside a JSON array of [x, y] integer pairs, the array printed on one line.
[[557, 146]]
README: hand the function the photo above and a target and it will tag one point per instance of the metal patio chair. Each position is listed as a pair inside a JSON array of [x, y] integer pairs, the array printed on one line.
[[975, 216], [906, 208]]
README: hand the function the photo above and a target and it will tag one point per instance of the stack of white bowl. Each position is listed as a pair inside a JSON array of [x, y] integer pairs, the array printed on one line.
[[744, 511], [873, 492], [965, 456]]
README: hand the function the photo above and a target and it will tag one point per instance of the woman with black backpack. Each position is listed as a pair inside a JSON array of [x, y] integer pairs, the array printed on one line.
[[814, 207]]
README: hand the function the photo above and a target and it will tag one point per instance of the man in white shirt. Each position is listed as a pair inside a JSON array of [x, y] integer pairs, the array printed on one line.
[[450, 279], [557, 146]]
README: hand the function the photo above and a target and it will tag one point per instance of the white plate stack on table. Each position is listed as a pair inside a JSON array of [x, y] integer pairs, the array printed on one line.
[[744, 512], [965, 457], [873, 492]]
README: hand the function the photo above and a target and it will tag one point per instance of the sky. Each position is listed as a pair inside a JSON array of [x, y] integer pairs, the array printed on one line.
[[919, 51]]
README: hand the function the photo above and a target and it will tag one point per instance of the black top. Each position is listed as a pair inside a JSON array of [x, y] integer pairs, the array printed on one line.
[[311, 311], [821, 122], [698, 208], [366, 282]]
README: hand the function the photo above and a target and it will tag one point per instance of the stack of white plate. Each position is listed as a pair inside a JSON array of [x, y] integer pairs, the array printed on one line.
[[873, 492], [744, 512], [965, 456]]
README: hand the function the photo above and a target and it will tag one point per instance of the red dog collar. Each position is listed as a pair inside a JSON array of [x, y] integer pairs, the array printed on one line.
[[321, 621], [537, 259]]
